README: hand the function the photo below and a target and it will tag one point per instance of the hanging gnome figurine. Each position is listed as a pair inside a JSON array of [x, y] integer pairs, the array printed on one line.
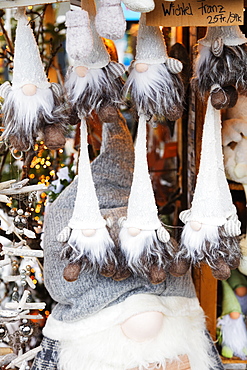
[[211, 224], [93, 84], [145, 243], [231, 328], [154, 84], [32, 106], [220, 67]]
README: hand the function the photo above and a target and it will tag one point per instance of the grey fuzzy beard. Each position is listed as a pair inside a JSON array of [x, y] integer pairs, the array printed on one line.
[[145, 250], [25, 124], [98, 89], [228, 69], [156, 92], [226, 247]]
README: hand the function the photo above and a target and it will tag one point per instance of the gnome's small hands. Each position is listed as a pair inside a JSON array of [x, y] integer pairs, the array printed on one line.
[[211, 224], [232, 334], [154, 84], [32, 106], [220, 65]]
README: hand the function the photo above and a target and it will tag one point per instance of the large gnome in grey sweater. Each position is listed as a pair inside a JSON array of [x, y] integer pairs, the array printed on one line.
[[101, 323]]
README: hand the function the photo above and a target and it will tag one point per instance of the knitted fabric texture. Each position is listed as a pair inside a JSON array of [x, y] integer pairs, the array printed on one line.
[[143, 6], [142, 210], [47, 358], [98, 57], [230, 35], [27, 65], [112, 175], [78, 33], [91, 293], [86, 214], [110, 21], [151, 47], [212, 201]]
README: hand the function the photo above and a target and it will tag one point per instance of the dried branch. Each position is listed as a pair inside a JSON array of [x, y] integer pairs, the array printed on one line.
[[9, 43]]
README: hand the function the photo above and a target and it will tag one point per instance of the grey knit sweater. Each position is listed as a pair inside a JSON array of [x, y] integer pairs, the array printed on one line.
[[112, 172]]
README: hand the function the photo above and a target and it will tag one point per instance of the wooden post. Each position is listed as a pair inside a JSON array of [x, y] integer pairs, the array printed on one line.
[[50, 18], [89, 6]]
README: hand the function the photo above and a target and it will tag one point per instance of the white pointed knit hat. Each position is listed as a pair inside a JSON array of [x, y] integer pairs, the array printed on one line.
[[86, 214], [98, 57], [142, 210], [151, 46], [230, 36], [212, 202], [27, 65]]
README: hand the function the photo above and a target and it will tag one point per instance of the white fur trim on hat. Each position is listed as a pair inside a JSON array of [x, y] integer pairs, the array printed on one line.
[[27, 65], [99, 341]]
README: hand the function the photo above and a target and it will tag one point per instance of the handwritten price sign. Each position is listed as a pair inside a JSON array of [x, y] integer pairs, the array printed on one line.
[[196, 13]]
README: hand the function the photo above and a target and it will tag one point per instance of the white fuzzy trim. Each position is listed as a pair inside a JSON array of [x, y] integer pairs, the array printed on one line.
[[106, 347], [96, 247], [119, 313]]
